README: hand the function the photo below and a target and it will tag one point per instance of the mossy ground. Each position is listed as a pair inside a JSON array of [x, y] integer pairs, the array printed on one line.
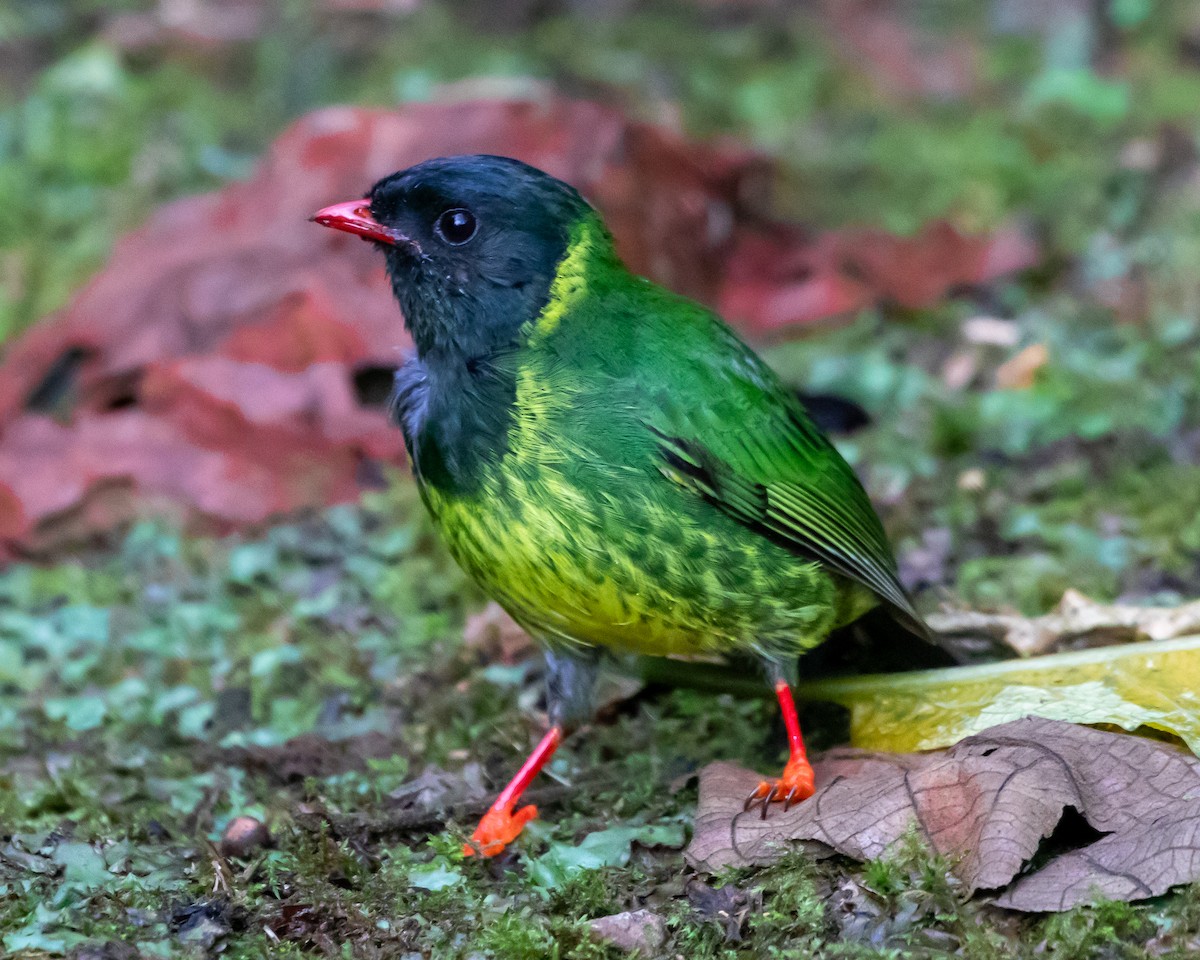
[[154, 686]]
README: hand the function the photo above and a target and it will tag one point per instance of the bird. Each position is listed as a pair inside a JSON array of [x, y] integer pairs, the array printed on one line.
[[607, 458]]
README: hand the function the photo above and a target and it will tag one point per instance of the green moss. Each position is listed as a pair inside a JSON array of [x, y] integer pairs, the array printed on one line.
[[590, 894], [794, 907], [1106, 930]]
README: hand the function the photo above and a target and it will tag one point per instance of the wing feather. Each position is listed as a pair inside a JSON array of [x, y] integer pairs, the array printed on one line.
[[768, 466]]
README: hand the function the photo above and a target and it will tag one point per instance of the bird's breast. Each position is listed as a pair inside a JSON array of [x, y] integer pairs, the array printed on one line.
[[456, 421], [570, 525], [539, 545], [612, 565]]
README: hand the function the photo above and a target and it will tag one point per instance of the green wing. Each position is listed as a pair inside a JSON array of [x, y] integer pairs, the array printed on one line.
[[750, 449]]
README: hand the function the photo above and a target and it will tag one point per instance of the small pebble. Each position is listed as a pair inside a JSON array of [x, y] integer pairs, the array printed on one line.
[[640, 930], [243, 836], [972, 480]]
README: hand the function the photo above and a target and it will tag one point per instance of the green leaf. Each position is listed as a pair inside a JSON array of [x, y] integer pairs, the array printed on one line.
[[84, 868], [436, 875], [79, 713], [1130, 13], [193, 721], [1101, 100], [266, 662], [604, 848], [251, 560], [12, 668], [36, 934], [292, 716], [1150, 684]]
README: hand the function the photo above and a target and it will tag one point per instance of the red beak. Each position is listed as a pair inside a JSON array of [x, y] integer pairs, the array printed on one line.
[[354, 216]]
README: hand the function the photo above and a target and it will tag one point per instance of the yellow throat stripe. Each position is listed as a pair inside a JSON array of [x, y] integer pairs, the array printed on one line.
[[570, 284], [540, 397]]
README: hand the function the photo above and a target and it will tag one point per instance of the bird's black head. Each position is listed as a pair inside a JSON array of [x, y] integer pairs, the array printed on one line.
[[472, 244]]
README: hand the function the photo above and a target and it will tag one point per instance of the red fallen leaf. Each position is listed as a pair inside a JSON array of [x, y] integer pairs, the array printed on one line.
[[763, 306], [778, 278], [918, 271], [221, 404], [50, 468], [303, 329], [14, 524], [235, 442], [227, 331]]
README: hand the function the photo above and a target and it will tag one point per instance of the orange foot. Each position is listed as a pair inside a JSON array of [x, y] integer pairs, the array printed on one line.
[[498, 828], [795, 785]]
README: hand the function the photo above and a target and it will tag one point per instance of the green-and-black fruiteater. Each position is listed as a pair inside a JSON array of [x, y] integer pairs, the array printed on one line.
[[606, 458]]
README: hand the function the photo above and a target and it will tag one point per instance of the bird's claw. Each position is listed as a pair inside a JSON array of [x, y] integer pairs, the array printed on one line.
[[497, 829], [795, 785]]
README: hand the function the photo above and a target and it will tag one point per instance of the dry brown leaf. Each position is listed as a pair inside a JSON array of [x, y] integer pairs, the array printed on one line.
[[986, 804], [728, 906], [1077, 619], [1018, 372]]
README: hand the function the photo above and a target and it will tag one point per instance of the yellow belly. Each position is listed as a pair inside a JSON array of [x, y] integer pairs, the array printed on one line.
[[627, 574]]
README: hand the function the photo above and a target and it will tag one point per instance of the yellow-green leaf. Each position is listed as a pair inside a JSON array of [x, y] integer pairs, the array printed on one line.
[[1152, 684]]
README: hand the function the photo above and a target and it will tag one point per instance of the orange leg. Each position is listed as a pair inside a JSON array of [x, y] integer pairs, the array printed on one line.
[[796, 784], [500, 826]]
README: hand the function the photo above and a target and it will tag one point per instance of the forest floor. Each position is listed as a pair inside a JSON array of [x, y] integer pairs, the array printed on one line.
[[321, 675]]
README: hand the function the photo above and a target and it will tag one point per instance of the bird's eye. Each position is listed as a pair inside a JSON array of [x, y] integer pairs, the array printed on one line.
[[456, 226]]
